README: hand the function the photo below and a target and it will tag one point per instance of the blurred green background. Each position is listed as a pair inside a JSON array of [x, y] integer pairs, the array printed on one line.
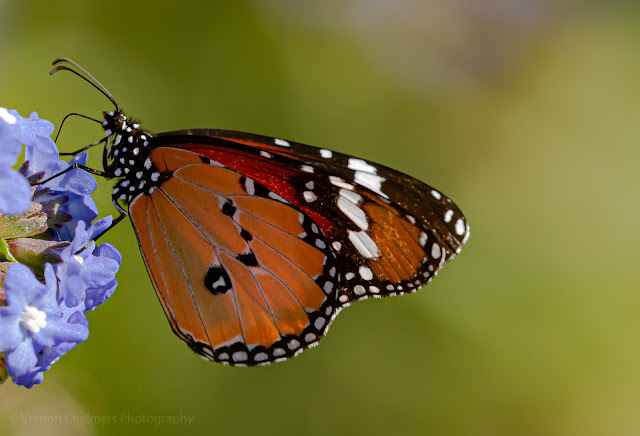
[[526, 113]]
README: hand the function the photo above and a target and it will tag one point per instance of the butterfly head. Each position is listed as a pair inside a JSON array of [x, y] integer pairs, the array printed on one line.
[[114, 122], [126, 132]]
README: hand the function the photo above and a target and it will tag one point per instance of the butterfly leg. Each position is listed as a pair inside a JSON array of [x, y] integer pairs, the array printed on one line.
[[120, 217], [85, 148], [123, 214], [73, 167]]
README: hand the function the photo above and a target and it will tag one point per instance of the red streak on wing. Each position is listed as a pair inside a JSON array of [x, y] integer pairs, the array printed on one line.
[[276, 178]]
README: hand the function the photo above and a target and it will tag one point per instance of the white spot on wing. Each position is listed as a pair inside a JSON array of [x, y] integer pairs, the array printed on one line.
[[306, 168], [448, 215], [239, 356], [436, 194], [460, 227], [360, 165], [365, 273], [218, 283], [371, 181], [276, 197], [281, 142], [351, 196], [337, 181], [466, 237], [435, 251], [250, 187], [353, 212], [309, 196], [261, 357], [293, 344], [363, 243], [327, 154]]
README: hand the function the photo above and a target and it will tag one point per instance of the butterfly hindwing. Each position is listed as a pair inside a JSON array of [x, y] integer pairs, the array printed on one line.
[[245, 277]]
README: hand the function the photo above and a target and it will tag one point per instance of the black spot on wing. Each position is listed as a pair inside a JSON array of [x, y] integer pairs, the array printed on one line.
[[245, 235], [228, 209], [217, 280], [249, 259]]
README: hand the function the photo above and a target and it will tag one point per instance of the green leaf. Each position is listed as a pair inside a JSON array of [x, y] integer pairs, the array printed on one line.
[[29, 223]]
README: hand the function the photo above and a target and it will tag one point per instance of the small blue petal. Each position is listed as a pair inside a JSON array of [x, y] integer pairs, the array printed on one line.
[[97, 271], [9, 326], [30, 379], [99, 227], [108, 250], [35, 132], [15, 192], [22, 359], [21, 286], [58, 331], [95, 297], [82, 209], [9, 145]]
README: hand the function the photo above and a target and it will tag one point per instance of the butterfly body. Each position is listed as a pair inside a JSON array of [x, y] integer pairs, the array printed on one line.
[[254, 244]]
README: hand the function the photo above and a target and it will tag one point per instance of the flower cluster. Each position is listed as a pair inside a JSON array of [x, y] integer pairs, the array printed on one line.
[[51, 272]]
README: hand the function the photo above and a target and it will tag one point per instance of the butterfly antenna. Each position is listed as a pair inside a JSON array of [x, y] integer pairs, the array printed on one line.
[[86, 76], [71, 115]]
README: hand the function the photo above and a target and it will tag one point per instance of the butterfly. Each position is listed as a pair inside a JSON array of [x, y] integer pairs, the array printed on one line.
[[254, 244]]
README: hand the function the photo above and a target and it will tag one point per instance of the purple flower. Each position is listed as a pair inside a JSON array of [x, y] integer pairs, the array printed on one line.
[[34, 132], [89, 274], [32, 324], [15, 192], [72, 190], [42, 320]]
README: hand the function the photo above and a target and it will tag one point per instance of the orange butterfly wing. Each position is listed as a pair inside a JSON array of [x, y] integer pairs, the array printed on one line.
[[254, 247], [245, 278]]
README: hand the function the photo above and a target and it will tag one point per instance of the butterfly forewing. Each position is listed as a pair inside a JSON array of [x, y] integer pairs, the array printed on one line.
[[391, 232]]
